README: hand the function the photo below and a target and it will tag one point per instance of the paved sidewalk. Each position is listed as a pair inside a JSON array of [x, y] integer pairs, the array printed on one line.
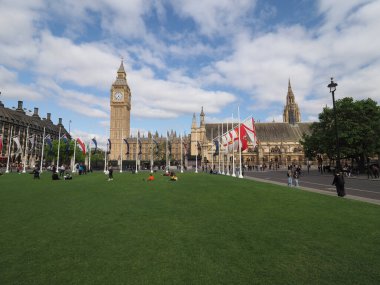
[[316, 190]]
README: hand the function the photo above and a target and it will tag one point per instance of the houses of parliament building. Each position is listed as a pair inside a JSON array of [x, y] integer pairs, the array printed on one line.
[[278, 143]]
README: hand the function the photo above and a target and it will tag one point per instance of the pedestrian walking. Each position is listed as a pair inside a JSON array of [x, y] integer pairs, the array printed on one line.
[[110, 173], [296, 176], [339, 184], [290, 178]]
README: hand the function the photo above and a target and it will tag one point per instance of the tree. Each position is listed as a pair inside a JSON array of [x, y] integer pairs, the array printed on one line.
[[65, 152], [358, 131]]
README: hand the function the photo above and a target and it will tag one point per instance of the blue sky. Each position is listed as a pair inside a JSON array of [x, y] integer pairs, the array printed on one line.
[[180, 55]]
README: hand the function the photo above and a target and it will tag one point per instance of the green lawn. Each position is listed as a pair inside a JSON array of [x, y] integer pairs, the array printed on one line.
[[202, 229]]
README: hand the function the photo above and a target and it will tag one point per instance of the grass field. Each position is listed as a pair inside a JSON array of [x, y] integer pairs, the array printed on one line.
[[202, 229]]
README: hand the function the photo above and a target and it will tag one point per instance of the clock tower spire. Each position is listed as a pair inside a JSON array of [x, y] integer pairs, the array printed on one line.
[[120, 103]]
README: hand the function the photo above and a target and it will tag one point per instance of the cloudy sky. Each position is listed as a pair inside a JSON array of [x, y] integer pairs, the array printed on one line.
[[62, 57]]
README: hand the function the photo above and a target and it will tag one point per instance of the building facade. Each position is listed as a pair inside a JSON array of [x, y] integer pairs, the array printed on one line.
[[141, 148], [157, 150], [29, 130], [278, 143], [120, 119]]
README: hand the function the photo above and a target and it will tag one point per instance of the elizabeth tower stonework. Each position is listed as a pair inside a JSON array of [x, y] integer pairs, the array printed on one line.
[[120, 102]]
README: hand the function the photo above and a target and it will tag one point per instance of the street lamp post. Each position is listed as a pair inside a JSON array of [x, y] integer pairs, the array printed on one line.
[[332, 87]]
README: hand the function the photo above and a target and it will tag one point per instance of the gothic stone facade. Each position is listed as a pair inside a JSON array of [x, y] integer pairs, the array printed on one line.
[[18, 122], [121, 102], [278, 143]]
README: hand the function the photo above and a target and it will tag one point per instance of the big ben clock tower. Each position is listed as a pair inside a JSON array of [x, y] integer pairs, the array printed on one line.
[[120, 101]]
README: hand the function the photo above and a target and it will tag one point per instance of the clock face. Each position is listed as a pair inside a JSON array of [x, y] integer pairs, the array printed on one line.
[[118, 96]]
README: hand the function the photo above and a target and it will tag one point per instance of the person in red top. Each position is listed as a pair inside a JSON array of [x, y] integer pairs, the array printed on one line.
[[150, 178]]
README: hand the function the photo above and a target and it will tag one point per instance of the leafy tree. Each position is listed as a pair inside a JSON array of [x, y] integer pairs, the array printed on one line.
[[358, 131], [65, 153]]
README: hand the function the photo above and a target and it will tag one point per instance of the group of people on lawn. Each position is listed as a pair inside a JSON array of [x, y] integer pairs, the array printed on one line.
[[172, 175]]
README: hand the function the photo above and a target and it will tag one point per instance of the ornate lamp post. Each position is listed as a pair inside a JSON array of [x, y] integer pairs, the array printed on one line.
[[332, 87]]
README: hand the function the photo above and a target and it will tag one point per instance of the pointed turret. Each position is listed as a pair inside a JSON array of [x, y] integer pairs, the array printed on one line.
[[202, 117], [121, 68], [291, 114], [121, 78], [290, 96], [194, 123]]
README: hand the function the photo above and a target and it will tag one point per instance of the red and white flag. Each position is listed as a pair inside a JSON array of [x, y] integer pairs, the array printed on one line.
[[243, 137], [234, 139], [250, 130], [82, 145]]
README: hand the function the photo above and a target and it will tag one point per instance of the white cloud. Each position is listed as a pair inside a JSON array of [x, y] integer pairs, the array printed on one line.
[[89, 64], [174, 73], [18, 43], [11, 89], [166, 99], [119, 18], [260, 66], [215, 16]]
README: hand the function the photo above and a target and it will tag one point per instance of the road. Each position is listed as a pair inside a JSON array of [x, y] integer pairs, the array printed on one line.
[[359, 186]]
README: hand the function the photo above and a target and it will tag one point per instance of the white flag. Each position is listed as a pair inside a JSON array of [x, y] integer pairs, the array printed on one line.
[[18, 145], [225, 142], [234, 140], [31, 140]]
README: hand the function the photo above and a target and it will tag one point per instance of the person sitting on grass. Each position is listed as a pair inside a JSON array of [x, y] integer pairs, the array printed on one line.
[[55, 176], [173, 177], [150, 178], [67, 176]]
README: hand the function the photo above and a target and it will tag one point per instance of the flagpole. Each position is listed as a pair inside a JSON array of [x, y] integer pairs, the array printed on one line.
[[89, 156], [9, 150], [196, 153], [105, 156], [169, 154], [212, 153], [166, 153], [240, 168], [219, 172], [121, 152], [26, 148], [75, 149], [151, 149], [228, 153], [137, 147], [43, 149], [233, 148], [59, 145], [181, 156], [223, 153]]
